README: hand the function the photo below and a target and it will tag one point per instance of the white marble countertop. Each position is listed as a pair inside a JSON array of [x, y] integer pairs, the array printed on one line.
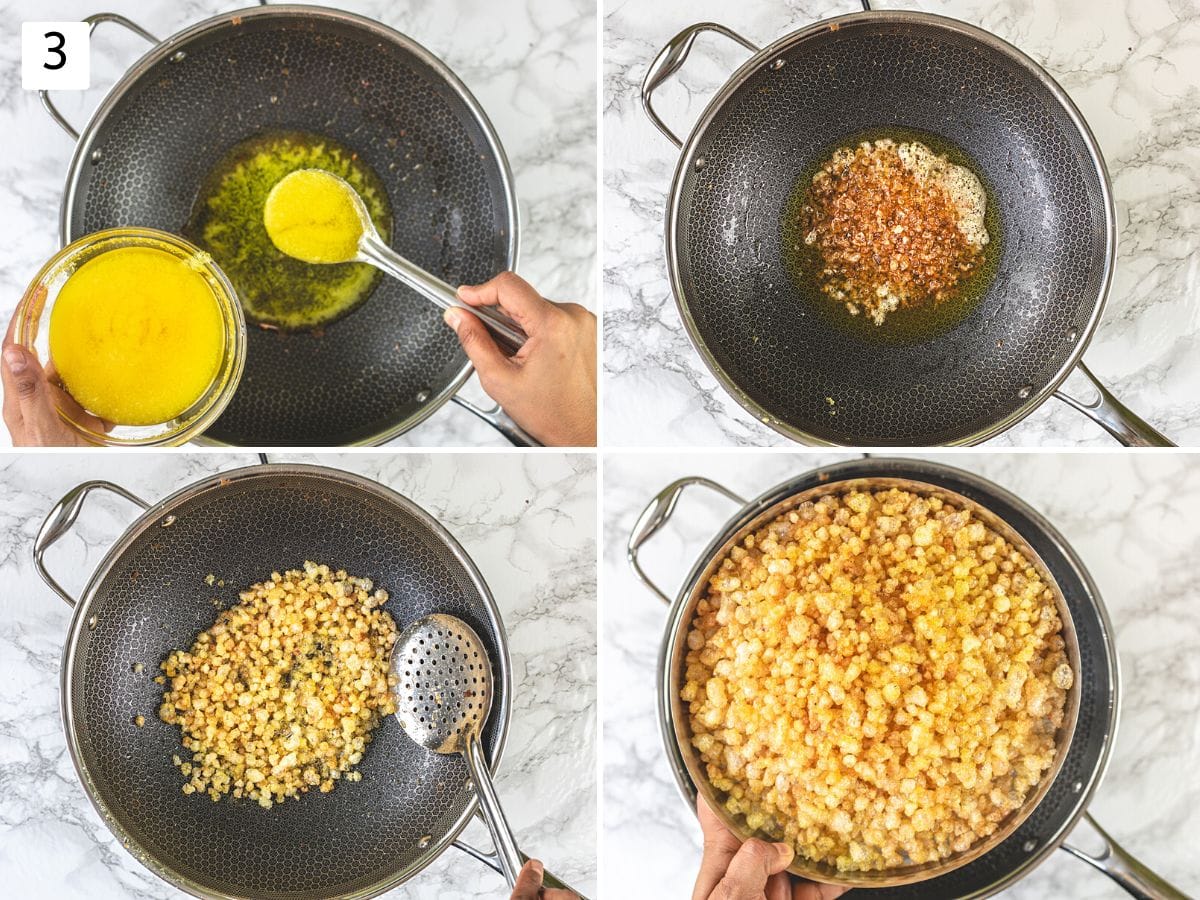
[[1131, 518], [528, 521], [531, 64], [1133, 68]]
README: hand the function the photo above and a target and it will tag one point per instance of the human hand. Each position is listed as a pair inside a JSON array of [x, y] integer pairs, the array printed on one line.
[[529, 885], [549, 386], [754, 870], [31, 400]]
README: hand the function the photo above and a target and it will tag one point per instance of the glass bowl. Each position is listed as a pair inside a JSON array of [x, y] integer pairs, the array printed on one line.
[[33, 332]]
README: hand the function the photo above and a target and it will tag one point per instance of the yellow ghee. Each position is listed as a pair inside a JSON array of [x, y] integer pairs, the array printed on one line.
[[314, 216], [136, 335]]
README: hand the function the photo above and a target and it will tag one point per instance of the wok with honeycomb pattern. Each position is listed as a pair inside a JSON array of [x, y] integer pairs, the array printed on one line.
[[159, 132], [781, 113], [151, 594]]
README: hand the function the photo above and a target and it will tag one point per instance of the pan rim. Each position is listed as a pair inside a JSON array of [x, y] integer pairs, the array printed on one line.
[[169, 45], [685, 164], [933, 474], [153, 514]]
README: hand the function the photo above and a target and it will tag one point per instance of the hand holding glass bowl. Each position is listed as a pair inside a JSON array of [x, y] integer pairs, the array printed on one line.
[[142, 332]]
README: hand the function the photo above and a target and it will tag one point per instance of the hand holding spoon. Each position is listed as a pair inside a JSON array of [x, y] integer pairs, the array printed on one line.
[[442, 685], [316, 217]]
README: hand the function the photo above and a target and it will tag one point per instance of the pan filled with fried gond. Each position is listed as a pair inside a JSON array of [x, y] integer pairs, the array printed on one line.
[[899, 668], [890, 228]]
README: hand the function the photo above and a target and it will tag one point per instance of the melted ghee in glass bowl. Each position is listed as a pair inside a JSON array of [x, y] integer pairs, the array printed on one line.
[[136, 336]]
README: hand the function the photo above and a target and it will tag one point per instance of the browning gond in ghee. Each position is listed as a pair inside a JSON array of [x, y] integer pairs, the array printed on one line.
[[227, 221], [954, 220], [137, 335]]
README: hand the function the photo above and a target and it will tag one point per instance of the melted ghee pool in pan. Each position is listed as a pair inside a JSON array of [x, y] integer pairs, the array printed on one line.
[[227, 221]]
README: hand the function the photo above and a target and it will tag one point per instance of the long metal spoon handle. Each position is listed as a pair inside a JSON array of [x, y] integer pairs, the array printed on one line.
[[1131, 874], [507, 851], [374, 251]]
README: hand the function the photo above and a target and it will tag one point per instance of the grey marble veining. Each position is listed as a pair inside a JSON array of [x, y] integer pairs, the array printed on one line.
[[1131, 518], [530, 63], [528, 522], [1132, 67]]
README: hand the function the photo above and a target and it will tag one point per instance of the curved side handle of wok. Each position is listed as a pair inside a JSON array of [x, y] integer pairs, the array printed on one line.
[[670, 59], [655, 516], [93, 21], [1114, 416], [549, 879], [507, 859], [516, 435], [1125, 870], [60, 520]]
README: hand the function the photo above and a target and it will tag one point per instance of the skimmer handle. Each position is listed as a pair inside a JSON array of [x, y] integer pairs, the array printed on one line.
[[373, 250], [93, 21], [60, 520], [655, 516], [1114, 416], [507, 852], [670, 60], [1125, 870]]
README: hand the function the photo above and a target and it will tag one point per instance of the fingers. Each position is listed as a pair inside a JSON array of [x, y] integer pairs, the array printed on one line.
[[779, 887], [720, 846], [809, 890], [751, 868], [514, 295], [29, 410], [489, 361], [529, 881]]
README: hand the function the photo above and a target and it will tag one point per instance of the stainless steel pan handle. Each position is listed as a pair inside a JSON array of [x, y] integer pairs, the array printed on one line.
[[492, 861], [1114, 416], [516, 435], [1125, 870], [655, 516], [670, 59], [93, 21], [60, 520]]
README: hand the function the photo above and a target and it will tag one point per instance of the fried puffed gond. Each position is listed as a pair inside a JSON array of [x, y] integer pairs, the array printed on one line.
[[877, 679], [281, 694]]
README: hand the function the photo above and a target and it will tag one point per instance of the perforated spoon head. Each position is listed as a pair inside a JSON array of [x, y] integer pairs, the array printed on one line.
[[442, 683]]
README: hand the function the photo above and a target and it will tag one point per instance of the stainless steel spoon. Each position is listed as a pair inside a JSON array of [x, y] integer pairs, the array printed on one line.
[[373, 250], [442, 684]]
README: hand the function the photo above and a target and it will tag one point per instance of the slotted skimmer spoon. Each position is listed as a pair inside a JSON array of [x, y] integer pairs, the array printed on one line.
[[373, 250], [443, 693]]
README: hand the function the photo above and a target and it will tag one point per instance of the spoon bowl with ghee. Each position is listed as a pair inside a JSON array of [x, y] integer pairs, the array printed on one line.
[[317, 217], [141, 330]]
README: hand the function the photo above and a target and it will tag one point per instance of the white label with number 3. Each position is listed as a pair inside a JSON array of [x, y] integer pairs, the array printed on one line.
[[55, 56]]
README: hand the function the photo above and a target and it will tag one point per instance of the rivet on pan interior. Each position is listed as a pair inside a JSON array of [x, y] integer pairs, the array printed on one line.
[[178, 56], [1029, 846], [97, 155], [91, 623], [700, 163], [1072, 335], [1077, 786], [1024, 392], [168, 521], [422, 396], [779, 64], [424, 841]]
